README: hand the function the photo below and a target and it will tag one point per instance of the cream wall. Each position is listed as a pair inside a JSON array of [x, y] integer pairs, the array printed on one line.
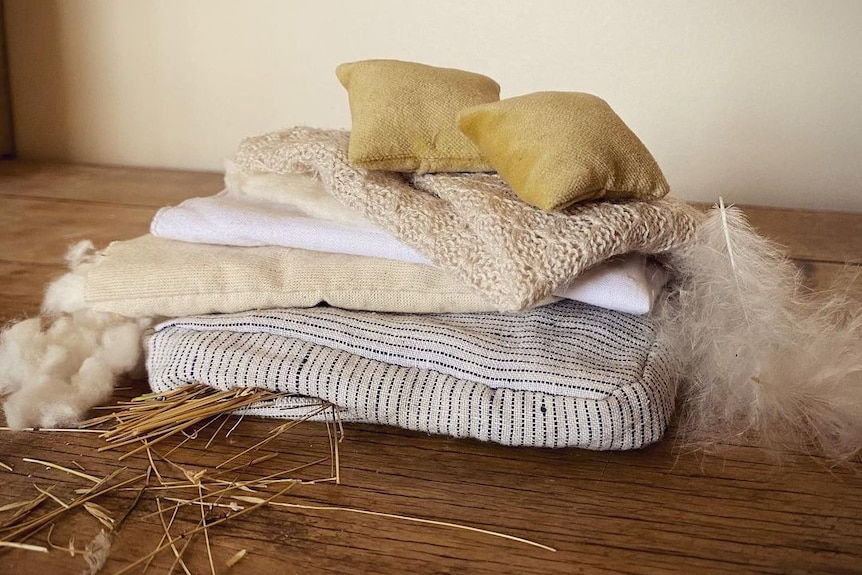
[[758, 101]]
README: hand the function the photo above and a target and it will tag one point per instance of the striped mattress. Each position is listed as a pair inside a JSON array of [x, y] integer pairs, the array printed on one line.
[[565, 374]]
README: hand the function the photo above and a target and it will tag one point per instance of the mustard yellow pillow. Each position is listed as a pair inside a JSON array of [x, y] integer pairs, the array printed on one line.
[[558, 148], [404, 116]]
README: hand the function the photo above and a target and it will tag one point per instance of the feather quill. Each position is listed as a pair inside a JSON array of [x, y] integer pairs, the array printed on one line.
[[763, 359]]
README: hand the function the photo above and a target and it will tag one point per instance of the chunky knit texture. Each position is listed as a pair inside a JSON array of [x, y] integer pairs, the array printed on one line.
[[473, 225]]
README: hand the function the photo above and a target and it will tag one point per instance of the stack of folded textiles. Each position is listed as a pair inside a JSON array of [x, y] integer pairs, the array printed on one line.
[[456, 264], [442, 302], [409, 282]]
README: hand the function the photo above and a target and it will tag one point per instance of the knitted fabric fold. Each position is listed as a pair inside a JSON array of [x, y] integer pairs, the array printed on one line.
[[566, 374], [473, 225]]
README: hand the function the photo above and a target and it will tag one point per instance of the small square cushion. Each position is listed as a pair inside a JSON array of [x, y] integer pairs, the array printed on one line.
[[404, 116], [558, 148]]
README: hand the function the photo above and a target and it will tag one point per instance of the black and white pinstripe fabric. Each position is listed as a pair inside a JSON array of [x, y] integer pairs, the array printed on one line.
[[566, 374]]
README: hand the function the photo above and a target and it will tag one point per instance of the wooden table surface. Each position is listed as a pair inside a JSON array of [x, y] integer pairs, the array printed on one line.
[[661, 509]]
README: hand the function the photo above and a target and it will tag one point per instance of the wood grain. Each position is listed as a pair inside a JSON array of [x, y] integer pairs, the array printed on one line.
[[810, 235], [117, 186], [662, 509], [23, 285], [60, 223]]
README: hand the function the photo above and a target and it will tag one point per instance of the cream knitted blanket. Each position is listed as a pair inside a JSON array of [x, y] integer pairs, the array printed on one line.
[[473, 225]]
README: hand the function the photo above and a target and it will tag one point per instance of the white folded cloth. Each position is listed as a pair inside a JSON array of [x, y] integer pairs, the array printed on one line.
[[233, 219], [302, 191], [626, 283]]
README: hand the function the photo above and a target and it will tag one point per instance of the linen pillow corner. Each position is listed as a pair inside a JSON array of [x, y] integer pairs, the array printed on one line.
[[404, 116], [559, 148]]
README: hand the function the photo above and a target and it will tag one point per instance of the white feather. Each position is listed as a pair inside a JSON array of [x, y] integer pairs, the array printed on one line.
[[763, 359]]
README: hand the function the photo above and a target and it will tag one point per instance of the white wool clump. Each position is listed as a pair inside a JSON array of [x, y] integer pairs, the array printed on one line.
[[16, 356], [79, 253], [55, 368], [53, 374], [66, 294], [302, 191]]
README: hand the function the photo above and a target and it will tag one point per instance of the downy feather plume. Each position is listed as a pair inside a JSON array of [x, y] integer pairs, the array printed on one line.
[[96, 553], [763, 360]]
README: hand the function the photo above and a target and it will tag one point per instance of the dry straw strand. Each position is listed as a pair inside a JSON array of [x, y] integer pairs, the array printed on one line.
[[256, 500], [65, 469], [23, 546]]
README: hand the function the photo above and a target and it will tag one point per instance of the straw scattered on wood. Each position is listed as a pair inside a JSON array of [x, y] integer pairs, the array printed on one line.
[[208, 496], [13, 505], [101, 514], [181, 415], [248, 499], [166, 526], [68, 548], [21, 531], [51, 429], [47, 493], [24, 508], [195, 530]]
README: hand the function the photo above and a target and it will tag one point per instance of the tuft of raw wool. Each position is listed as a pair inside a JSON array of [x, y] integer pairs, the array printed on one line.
[[54, 371], [763, 358], [54, 368], [304, 192], [96, 553], [66, 293]]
